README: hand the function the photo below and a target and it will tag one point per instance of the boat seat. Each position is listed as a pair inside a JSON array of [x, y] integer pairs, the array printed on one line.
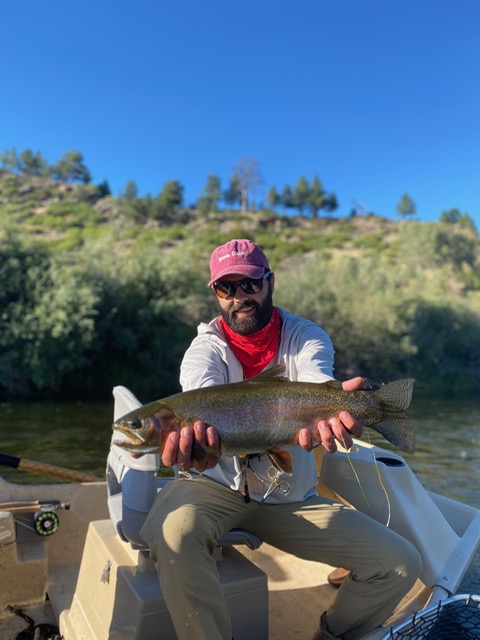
[[133, 484], [118, 595]]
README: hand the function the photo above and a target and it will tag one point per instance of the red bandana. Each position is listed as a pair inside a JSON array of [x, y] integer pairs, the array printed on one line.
[[256, 350]]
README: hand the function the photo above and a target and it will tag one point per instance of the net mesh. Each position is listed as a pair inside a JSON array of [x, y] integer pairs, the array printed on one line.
[[457, 618]]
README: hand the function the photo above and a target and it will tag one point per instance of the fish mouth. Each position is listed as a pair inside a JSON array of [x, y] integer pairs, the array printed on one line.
[[135, 445], [138, 432], [134, 437]]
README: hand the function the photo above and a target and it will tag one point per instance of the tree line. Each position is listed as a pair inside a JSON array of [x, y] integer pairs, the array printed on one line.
[[77, 323], [305, 196], [69, 168]]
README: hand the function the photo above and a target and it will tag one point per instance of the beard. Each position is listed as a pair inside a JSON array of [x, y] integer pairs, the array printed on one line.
[[262, 312]]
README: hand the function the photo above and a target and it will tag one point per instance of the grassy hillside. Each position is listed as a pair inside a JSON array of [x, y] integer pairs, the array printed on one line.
[[97, 290]]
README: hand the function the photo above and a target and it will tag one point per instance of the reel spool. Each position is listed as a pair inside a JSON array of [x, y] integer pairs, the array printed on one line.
[[45, 523]]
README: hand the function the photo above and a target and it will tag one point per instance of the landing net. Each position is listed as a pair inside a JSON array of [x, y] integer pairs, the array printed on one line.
[[457, 618]]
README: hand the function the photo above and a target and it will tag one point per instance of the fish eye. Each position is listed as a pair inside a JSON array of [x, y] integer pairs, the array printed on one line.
[[135, 424]]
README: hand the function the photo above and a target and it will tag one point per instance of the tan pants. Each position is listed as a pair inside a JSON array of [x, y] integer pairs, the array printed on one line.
[[190, 515]]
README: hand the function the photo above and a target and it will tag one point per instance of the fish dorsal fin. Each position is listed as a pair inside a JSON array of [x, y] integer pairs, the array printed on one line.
[[273, 374], [396, 395]]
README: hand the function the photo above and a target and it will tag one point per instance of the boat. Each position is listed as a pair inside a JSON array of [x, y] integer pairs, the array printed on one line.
[[73, 568]]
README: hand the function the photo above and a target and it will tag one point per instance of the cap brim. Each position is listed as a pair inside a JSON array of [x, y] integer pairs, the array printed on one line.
[[246, 271]]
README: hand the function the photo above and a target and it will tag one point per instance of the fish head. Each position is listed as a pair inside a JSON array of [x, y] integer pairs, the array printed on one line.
[[145, 432]]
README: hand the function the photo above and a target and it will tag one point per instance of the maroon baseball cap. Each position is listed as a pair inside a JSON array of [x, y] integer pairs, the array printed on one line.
[[242, 257]]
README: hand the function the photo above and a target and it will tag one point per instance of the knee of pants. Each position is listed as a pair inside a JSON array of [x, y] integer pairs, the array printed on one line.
[[413, 562], [182, 532], [393, 556], [406, 560]]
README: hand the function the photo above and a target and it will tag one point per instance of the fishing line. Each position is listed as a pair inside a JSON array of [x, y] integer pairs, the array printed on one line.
[[389, 507], [24, 523], [354, 471]]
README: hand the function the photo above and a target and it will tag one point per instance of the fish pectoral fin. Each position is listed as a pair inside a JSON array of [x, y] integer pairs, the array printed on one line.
[[280, 459], [204, 453]]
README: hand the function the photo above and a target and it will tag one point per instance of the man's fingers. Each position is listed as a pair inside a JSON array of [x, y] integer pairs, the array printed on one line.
[[206, 435], [304, 439], [185, 447], [350, 423], [326, 436], [170, 450], [178, 448], [340, 433], [199, 432], [212, 438]]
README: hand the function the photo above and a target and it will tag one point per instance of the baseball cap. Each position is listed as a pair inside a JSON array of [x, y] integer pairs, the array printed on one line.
[[242, 257]]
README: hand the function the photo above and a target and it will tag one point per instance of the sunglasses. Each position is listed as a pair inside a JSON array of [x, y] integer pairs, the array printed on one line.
[[249, 286]]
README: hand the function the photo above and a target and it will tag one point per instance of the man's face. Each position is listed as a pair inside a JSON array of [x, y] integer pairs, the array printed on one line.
[[247, 313]]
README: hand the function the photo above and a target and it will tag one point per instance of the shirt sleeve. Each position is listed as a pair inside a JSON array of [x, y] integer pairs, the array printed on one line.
[[315, 354], [202, 366]]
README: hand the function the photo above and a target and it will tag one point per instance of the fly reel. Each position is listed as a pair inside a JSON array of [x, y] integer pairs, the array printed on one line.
[[38, 516], [45, 523]]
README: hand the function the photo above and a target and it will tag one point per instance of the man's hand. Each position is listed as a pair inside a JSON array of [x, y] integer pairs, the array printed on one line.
[[340, 427], [178, 446]]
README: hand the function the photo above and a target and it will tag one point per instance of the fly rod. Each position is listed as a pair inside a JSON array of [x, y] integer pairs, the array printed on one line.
[[46, 469]]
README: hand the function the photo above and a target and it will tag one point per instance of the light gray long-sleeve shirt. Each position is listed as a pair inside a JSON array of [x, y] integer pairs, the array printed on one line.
[[307, 353]]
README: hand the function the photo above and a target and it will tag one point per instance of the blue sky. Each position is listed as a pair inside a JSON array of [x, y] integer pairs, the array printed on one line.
[[376, 97]]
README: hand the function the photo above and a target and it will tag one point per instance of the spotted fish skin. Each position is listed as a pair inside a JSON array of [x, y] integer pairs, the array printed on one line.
[[266, 414]]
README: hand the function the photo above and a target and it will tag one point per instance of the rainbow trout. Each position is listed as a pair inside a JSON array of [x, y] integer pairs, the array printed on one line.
[[265, 414]]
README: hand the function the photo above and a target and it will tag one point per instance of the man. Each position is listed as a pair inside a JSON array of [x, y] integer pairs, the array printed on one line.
[[192, 513]]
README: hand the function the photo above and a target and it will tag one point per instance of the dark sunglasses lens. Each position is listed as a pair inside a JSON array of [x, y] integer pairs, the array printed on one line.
[[249, 285], [225, 289]]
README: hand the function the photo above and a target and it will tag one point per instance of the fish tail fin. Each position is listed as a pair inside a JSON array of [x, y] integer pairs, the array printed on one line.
[[203, 453], [396, 428], [396, 395]]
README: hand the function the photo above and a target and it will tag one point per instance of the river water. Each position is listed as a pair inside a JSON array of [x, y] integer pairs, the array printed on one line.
[[77, 436]]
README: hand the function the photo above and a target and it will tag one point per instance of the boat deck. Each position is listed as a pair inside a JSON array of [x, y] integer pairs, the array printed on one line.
[[298, 593]]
